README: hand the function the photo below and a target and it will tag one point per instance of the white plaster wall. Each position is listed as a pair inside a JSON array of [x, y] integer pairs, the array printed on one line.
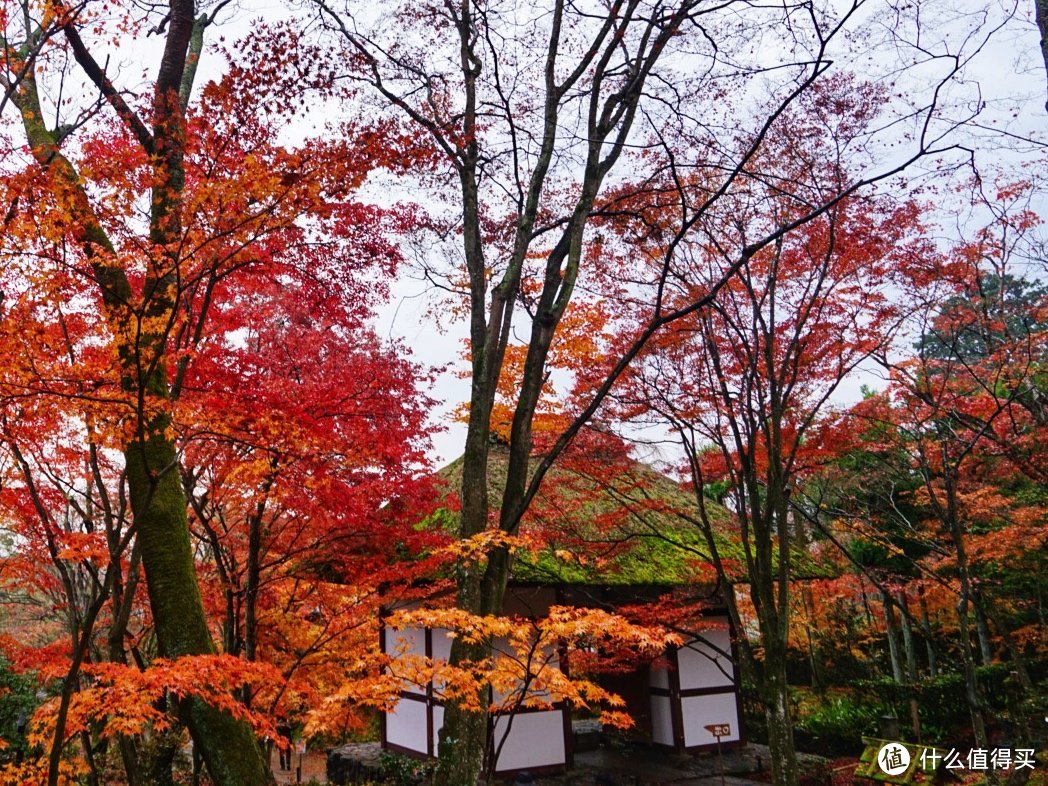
[[700, 711], [701, 665], [406, 725], [410, 641], [536, 739], [441, 644], [661, 720], [502, 649]]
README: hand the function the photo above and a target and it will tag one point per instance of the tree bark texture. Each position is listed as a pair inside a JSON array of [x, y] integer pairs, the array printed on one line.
[[893, 638]]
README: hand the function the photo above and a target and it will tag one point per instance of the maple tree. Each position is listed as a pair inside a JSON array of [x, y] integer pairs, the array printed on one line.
[[965, 417], [157, 265], [460, 138], [542, 120], [296, 395], [743, 383], [139, 301]]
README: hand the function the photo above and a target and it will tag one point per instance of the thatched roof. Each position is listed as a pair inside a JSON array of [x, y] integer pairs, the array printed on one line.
[[614, 523]]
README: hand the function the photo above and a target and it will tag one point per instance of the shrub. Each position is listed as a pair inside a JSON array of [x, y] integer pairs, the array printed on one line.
[[838, 725], [18, 700], [404, 770]]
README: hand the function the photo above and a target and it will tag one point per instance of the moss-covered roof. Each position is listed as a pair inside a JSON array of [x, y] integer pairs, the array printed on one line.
[[615, 523]]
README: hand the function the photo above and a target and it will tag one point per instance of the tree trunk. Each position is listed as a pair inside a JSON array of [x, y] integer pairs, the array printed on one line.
[[461, 755], [865, 602], [769, 590], [161, 769], [230, 750], [775, 694], [818, 684], [1041, 12], [89, 756], [893, 639], [911, 661], [462, 739], [907, 638], [926, 631], [973, 692], [158, 501], [122, 606], [982, 632], [1026, 721]]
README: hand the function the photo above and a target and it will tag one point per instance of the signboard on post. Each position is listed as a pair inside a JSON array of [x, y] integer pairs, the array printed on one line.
[[719, 730]]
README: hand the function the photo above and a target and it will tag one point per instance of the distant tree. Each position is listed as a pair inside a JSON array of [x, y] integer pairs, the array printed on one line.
[[989, 313], [744, 383], [299, 426], [966, 415]]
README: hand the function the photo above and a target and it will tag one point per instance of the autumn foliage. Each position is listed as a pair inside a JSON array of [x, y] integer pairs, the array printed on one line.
[[215, 487], [227, 319]]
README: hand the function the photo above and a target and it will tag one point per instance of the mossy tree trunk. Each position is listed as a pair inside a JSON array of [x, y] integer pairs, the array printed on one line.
[[229, 747], [140, 323]]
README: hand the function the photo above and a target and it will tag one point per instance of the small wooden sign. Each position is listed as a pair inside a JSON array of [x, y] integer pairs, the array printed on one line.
[[719, 730]]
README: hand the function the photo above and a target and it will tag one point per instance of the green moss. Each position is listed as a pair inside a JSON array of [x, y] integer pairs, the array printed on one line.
[[631, 527]]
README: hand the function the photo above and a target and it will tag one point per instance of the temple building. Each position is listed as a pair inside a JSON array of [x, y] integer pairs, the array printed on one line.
[[612, 540]]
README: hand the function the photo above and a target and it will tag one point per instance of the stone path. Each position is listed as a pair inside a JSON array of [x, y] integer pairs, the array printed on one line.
[[314, 766], [640, 766]]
